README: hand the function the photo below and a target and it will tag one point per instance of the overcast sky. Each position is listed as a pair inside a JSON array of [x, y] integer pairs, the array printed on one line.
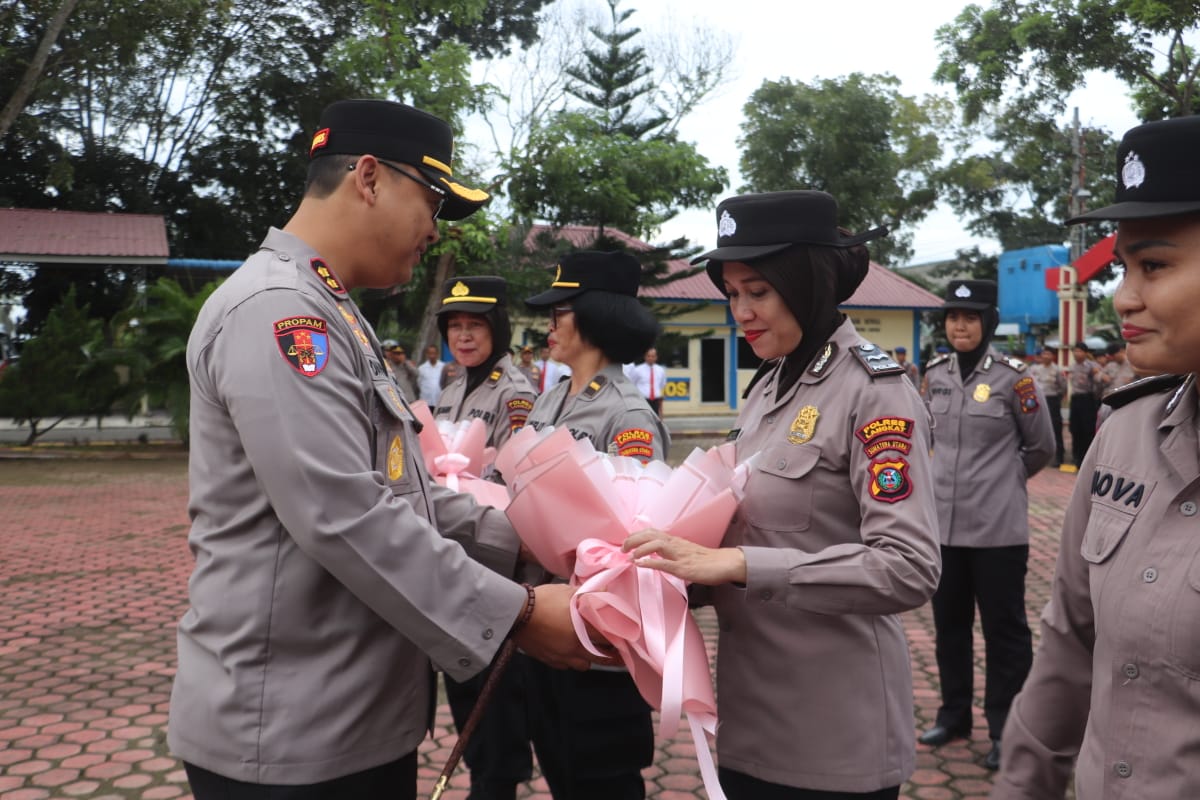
[[804, 41]]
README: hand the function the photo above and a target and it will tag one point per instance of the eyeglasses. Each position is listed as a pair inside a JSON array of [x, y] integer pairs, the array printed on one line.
[[555, 311], [439, 191]]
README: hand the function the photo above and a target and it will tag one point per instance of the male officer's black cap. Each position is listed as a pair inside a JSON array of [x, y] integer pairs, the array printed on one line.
[[474, 294], [590, 270], [970, 295], [396, 132], [1158, 172]]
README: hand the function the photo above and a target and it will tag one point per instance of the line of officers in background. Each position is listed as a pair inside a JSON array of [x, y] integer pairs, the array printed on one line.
[[1090, 377]]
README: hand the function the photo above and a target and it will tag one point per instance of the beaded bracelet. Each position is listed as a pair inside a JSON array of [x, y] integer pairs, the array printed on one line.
[[527, 612]]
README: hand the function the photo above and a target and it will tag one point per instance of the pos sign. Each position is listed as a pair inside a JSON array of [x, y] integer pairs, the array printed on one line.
[[678, 389]]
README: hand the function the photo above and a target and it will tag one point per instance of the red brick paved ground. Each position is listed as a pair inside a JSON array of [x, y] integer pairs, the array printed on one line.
[[93, 575]]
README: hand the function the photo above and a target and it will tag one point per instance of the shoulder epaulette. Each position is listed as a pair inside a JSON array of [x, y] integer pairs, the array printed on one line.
[[1142, 387], [1017, 364], [594, 386], [942, 359], [327, 278], [876, 361]]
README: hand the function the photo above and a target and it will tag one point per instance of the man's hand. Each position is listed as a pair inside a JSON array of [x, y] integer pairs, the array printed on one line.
[[549, 635]]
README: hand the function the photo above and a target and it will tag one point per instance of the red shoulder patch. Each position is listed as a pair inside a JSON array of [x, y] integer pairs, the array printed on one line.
[[635, 443], [304, 343], [1026, 395], [885, 426], [889, 480], [518, 412]]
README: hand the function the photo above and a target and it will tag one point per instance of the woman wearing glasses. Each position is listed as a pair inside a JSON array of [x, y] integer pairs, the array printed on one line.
[[592, 730]]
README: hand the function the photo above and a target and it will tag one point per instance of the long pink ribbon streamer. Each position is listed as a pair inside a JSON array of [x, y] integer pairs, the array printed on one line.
[[650, 632]]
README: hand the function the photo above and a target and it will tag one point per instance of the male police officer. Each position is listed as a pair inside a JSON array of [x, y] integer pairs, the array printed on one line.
[[329, 570]]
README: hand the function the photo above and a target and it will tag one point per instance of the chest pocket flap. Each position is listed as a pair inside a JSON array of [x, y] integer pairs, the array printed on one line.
[[1105, 531], [779, 494]]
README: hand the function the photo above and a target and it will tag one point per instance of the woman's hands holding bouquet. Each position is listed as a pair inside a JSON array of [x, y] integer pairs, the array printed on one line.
[[694, 563]]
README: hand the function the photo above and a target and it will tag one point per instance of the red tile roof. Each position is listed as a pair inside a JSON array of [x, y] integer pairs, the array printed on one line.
[[78, 236], [882, 288]]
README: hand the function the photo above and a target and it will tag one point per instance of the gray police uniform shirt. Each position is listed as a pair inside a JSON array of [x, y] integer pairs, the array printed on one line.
[[814, 683], [503, 401], [610, 411], [1084, 377], [991, 433], [1113, 689], [329, 568]]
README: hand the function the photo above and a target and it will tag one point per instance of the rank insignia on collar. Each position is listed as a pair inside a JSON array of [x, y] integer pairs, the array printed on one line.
[[326, 276], [803, 425], [982, 392], [823, 360], [987, 364], [495, 376], [594, 386], [889, 480], [304, 343]]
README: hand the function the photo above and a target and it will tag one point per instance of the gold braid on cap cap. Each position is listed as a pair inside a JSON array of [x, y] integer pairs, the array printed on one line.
[[561, 284], [461, 294]]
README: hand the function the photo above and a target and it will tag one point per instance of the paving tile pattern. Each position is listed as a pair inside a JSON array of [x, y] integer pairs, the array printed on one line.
[[93, 576]]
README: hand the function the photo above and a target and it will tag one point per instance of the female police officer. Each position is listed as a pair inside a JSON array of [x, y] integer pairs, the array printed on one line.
[[992, 433], [1113, 690], [835, 535], [592, 730], [473, 319]]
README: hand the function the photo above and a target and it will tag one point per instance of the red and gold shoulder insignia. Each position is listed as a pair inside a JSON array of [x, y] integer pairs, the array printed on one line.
[[518, 412], [326, 276], [304, 343], [889, 480], [1026, 395], [885, 426], [635, 443]]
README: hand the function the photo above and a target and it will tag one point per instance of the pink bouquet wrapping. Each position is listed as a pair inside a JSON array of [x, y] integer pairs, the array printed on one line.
[[573, 507], [456, 455]]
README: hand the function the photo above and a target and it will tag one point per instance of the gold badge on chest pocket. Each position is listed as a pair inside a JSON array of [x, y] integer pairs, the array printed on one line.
[[395, 459], [982, 392], [803, 425]]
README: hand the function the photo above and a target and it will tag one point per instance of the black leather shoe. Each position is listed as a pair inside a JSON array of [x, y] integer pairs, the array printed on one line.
[[992, 759], [938, 735]]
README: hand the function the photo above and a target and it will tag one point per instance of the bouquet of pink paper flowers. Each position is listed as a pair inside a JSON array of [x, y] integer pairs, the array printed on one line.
[[573, 506], [457, 456]]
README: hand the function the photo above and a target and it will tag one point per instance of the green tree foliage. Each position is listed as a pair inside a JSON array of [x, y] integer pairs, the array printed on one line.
[[153, 343], [1015, 188], [615, 162], [1031, 54], [46, 385], [857, 138]]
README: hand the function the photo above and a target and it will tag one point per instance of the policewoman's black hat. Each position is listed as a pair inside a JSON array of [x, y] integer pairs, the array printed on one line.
[[751, 226], [590, 270], [396, 132], [474, 294], [970, 295], [1158, 172]]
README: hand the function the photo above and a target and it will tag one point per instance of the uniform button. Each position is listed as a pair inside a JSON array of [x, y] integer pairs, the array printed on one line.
[[1122, 769], [284, 257], [1150, 575], [1187, 508], [770, 419], [487, 634], [766, 594], [781, 463], [464, 662], [1131, 671]]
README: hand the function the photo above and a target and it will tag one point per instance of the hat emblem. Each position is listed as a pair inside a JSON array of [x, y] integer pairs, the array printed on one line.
[[726, 226], [1133, 174], [962, 291], [460, 290]]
